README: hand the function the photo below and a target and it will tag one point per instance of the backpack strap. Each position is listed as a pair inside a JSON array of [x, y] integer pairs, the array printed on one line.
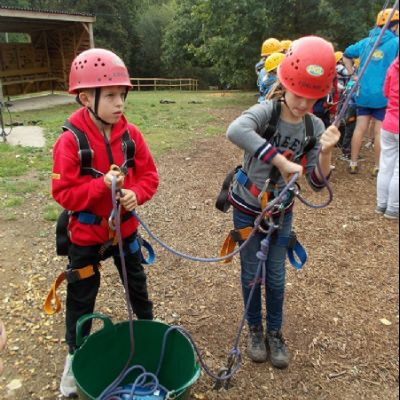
[[270, 130], [310, 140], [85, 152], [129, 149]]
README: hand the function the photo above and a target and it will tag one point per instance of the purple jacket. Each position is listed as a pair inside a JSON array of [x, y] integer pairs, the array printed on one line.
[[391, 91]]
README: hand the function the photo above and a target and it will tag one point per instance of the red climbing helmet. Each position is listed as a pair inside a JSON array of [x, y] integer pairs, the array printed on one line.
[[97, 68], [309, 67]]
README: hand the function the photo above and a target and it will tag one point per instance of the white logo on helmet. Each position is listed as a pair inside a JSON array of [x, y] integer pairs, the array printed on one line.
[[315, 70]]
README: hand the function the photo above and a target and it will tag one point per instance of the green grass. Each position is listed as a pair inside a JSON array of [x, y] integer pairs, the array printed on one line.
[[51, 212], [193, 115]]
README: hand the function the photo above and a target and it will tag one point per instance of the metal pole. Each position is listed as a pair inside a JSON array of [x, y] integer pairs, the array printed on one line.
[[2, 132]]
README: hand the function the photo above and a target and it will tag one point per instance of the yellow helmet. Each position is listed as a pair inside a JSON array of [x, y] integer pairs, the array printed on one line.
[[285, 44], [273, 60], [383, 16], [338, 55], [270, 46]]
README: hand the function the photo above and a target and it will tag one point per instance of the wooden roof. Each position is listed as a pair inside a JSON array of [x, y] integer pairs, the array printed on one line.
[[26, 20]]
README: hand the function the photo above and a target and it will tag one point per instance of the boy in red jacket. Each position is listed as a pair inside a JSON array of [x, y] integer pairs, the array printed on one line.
[[100, 80]]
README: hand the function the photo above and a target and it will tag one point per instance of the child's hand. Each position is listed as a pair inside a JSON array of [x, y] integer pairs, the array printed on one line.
[[128, 200], [287, 168], [109, 176], [329, 139]]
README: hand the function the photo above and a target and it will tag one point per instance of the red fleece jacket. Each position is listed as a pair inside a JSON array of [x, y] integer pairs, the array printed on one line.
[[85, 193]]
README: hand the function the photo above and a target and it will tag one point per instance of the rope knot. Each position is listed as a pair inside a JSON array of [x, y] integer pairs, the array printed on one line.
[[261, 255]]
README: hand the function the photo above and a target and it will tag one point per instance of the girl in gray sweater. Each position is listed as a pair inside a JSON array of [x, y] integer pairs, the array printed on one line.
[[305, 75]]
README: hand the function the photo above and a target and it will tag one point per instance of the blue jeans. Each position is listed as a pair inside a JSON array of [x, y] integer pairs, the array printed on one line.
[[275, 273]]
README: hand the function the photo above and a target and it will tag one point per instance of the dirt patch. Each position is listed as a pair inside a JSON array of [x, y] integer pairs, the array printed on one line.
[[340, 349], [41, 101]]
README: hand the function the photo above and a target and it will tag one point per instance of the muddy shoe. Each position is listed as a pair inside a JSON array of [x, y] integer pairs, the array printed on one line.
[[68, 385], [255, 344], [277, 349]]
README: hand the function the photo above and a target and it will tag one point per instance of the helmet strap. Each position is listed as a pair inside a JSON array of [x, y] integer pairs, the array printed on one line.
[[94, 112]]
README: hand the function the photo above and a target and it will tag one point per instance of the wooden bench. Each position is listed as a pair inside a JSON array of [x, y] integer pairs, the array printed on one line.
[[27, 78]]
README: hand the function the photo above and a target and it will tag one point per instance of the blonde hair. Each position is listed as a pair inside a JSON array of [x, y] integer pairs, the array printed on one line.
[[277, 91]]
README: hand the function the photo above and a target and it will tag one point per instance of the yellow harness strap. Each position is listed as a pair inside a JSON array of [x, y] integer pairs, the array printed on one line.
[[263, 197], [234, 236], [52, 297]]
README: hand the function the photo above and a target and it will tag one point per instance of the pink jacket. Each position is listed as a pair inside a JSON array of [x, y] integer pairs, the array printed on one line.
[[391, 91]]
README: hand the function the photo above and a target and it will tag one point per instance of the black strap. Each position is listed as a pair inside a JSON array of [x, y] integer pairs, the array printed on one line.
[[62, 238], [85, 152], [310, 140], [129, 149], [222, 202], [271, 128]]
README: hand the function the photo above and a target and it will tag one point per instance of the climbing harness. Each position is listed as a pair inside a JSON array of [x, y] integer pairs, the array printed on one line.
[[296, 253], [222, 203], [86, 155]]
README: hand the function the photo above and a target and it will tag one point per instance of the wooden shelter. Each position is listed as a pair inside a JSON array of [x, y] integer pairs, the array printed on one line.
[[42, 63]]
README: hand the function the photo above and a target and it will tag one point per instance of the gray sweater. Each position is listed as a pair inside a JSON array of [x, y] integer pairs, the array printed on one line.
[[245, 132]]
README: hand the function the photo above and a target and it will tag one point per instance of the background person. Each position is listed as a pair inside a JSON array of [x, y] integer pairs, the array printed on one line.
[[388, 176], [371, 103]]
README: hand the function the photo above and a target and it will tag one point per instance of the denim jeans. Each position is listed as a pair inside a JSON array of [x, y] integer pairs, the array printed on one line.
[[275, 273]]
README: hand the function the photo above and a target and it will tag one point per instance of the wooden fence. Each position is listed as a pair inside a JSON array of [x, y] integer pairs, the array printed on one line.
[[165, 83]]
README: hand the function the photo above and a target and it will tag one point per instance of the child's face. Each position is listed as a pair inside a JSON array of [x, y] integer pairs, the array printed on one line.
[[298, 106], [111, 103]]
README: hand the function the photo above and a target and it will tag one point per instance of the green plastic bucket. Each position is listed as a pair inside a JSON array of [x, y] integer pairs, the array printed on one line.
[[103, 355]]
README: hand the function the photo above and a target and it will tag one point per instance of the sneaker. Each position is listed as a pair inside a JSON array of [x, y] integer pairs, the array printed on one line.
[[256, 349], [68, 385], [353, 169], [391, 215], [277, 349], [380, 210], [375, 171]]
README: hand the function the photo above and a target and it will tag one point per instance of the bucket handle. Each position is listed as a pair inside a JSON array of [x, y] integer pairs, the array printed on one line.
[[107, 324], [177, 392]]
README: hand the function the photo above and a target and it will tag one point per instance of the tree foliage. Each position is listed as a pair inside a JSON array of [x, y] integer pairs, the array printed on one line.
[[217, 41]]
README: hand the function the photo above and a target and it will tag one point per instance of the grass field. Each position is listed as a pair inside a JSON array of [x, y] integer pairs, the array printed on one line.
[[165, 126]]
